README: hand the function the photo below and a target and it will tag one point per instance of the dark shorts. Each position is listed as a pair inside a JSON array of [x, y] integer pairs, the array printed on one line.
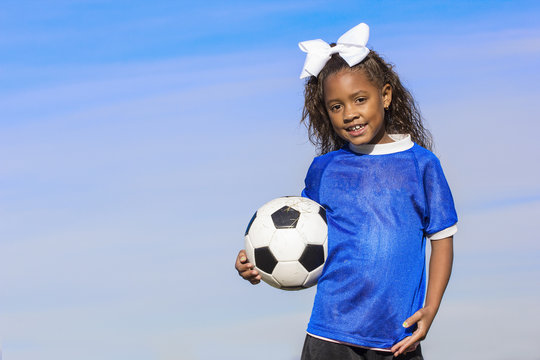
[[316, 349]]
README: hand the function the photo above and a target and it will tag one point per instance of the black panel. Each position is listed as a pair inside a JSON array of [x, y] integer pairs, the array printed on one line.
[[285, 218], [250, 222], [322, 212], [265, 260], [312, 257]]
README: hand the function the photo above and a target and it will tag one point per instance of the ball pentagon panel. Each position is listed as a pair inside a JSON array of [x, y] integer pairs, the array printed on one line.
[[312, 257], [265, 260], [285, 217]]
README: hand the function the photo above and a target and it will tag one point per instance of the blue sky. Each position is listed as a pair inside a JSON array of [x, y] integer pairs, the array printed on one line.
[[137, 139]]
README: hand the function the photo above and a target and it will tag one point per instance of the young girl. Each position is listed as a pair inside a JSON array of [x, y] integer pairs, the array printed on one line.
[[385, 195]]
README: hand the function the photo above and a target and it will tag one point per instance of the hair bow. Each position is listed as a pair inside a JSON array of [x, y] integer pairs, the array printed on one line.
[[351, 46]]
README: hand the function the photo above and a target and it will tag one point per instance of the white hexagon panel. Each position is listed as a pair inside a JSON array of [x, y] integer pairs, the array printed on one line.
[[287, 244], [290, 274]]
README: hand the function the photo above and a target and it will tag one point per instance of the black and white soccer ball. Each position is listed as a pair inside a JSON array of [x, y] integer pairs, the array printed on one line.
[[286, 240]]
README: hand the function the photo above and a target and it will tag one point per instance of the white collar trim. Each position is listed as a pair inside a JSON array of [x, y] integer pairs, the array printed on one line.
[[401, 142]]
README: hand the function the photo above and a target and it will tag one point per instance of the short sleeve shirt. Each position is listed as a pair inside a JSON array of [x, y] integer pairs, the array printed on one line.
[[382, 203]]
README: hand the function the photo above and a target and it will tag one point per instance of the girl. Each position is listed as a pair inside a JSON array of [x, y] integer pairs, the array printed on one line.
[[385, 194]]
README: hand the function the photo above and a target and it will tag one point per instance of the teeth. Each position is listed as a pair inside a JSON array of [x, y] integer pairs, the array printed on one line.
[[357, 127]]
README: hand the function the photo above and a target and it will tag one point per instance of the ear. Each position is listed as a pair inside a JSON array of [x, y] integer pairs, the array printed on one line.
[[386, 94]]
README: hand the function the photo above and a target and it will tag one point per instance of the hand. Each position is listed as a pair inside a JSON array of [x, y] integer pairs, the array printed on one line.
[[423, 318], [245, 269]]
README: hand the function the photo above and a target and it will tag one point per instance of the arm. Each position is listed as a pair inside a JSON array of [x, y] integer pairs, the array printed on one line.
[[440, 267]]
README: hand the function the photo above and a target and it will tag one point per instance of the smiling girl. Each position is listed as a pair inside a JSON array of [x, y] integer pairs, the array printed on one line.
[[385, 196]]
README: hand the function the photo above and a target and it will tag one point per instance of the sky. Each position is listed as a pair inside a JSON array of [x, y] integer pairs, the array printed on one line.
[[137, 139]]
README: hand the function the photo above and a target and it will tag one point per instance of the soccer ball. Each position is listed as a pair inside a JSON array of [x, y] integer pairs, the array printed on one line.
[[286, 241]]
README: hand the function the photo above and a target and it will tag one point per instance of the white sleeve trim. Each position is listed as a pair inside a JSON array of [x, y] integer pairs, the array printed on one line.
[[449, 231]]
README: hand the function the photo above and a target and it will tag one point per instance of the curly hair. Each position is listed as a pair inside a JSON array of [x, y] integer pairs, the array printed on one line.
[[402, 116]]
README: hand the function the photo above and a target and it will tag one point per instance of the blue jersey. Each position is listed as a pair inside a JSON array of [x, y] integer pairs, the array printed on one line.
[[381, 205]]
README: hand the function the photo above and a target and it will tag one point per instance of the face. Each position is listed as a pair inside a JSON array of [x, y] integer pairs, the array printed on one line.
[[356, 107]]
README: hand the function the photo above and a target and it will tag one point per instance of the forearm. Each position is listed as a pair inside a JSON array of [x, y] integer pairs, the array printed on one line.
[[440, 268]]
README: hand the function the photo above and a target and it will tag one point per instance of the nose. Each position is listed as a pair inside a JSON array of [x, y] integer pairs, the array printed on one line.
[[350, 115]]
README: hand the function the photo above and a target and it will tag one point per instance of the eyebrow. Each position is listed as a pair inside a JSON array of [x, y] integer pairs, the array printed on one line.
[[359, 92]]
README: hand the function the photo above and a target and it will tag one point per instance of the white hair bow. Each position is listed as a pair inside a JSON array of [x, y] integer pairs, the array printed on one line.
[[351, 46]]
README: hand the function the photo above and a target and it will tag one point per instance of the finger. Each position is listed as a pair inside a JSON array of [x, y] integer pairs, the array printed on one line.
[[402, 346], [241, 259], [256, 280], [413, 319], [406, 350], [242, 256], [253, 279], [244, 267], [398, 345], [250, 275]]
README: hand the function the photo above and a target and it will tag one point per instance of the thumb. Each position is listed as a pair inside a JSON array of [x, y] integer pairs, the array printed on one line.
[[242, 256], [413, 319]]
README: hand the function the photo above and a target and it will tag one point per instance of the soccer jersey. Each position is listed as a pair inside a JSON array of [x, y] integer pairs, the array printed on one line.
[[382, 202]]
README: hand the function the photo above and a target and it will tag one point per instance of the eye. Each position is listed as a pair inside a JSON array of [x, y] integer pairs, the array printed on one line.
[[335, 107], [360, 100]]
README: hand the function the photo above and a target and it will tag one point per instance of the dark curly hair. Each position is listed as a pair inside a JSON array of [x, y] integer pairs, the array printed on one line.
[[402, 116]]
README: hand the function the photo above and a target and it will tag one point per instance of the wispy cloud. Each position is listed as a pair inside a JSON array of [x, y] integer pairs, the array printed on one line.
[[127, 181]]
